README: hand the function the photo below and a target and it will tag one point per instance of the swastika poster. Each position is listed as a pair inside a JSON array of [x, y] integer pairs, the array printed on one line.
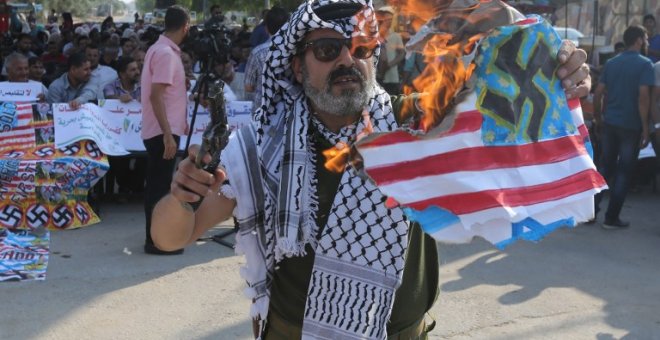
[[41, 185]]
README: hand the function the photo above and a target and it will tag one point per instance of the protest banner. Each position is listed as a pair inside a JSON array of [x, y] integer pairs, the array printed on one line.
[[129, 117], [41, 185], [88, 122], [239, 114], [19, 91]]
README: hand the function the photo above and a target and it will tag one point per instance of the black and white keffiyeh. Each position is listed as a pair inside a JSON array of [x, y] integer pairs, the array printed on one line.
[[359, 257]]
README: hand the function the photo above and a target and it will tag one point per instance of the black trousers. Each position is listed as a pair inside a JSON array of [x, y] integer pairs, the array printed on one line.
[[158, 176], [129, 178]]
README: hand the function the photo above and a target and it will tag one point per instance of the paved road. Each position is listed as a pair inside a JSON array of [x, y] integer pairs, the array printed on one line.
[[583, 283]]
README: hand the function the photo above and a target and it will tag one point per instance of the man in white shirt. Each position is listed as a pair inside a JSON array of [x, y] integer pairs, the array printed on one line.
[[18, 70], [101, 75]]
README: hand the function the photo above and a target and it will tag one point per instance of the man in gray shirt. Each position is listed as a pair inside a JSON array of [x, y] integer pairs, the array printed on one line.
[[73, 87]]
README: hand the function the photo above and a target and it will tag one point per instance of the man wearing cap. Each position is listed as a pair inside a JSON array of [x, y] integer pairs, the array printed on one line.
[[325, 257]]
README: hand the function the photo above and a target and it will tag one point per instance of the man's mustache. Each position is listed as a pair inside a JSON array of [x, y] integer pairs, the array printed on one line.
[[346, 71]]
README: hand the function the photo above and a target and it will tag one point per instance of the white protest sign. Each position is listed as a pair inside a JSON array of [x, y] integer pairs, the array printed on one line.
[[88, 122], [239, 114], [20, 92], [130, 116]]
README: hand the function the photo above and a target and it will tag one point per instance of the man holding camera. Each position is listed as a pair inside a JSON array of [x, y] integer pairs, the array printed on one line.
[[216, 19], [163, 112]]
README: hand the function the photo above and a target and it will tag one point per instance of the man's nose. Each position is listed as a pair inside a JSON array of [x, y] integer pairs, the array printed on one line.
[[345, 57]]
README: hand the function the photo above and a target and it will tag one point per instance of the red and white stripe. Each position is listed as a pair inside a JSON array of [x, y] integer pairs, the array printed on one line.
[[485, 186], [23, 178], [22, 135]]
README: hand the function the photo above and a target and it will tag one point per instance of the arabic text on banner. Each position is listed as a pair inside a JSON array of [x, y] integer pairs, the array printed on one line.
[[88, 122], [20, 92], [239, 114], [129, 116]]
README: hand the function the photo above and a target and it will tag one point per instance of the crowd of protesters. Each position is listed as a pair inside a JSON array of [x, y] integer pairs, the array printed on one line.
[[51, 48]]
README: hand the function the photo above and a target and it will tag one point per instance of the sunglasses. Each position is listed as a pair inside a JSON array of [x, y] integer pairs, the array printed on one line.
[[328, 49]]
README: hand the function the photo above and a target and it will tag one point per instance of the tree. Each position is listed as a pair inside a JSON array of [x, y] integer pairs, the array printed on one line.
[[82, 8], [79, 8], [144, 6], [252, 6]]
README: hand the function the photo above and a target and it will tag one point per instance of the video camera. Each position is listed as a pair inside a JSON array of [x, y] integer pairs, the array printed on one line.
[[210, 44]]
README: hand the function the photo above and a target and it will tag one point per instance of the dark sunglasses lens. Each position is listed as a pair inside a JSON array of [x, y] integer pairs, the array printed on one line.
[[362, 52], [327, 49]]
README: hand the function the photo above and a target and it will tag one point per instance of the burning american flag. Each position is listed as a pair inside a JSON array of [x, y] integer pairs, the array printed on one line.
[[510, 161]]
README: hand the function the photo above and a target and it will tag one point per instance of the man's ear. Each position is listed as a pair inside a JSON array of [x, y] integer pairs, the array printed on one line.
[[296, 64]]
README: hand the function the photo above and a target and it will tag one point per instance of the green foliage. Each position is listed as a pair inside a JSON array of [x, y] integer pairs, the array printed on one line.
[[144, 6], [253, 7], [83, 8], [79, 8], [250, 6]]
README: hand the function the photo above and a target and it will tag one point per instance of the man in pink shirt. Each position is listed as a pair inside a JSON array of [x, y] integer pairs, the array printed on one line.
[[163, 112]]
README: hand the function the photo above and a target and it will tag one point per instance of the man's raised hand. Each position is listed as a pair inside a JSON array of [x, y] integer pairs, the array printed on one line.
[[191, 184], [573, 71]]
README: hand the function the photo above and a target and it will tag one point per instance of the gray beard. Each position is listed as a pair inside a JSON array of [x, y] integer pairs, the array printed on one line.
[[347, 103]]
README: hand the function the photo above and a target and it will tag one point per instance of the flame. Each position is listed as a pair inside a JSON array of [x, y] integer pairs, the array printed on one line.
[[336, 157], [419, 11], [445, 74]]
